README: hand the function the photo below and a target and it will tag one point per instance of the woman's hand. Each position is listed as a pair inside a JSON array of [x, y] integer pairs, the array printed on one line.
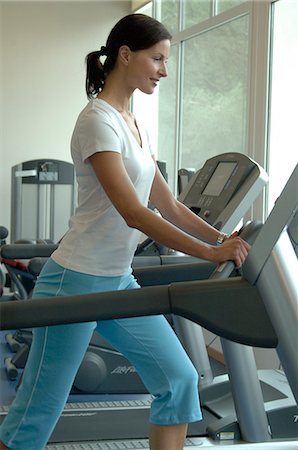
[[232, 249]]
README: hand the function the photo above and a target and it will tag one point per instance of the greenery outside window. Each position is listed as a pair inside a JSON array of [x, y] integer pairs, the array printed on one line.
[[214, 93]]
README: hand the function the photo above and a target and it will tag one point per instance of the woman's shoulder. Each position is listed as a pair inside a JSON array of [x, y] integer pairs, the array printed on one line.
[[99, 106], [97, 111]]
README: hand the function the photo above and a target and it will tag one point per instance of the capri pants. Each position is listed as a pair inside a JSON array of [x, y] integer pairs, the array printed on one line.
[[149, 343]]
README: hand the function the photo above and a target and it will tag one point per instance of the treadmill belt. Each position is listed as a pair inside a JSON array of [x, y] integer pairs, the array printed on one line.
[[136, 444]]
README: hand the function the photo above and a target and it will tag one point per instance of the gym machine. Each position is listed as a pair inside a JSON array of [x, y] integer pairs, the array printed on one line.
[[42, 199], [184, 177], [257, 309]]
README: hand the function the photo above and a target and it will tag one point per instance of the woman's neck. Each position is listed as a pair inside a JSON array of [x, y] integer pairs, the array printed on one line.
[[116, 94]]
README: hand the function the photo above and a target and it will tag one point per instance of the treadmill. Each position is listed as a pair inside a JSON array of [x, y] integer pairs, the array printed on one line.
[[221, 192], [263, 311]]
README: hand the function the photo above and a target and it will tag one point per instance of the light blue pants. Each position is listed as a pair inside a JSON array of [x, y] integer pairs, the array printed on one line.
[[56, 353]]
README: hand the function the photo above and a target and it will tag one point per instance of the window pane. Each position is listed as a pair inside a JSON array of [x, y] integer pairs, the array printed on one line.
[[223, 5], [167, 117], [196, 11], [169, 14], [214, 93], [283, 140]]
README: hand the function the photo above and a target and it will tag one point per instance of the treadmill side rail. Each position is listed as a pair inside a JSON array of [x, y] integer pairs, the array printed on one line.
[[230, 308]]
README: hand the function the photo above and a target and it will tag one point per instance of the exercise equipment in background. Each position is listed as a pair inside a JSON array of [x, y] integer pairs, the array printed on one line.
[[42, 199]]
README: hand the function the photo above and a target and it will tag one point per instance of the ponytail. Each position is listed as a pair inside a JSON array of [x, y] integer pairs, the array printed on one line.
[[95, 75]]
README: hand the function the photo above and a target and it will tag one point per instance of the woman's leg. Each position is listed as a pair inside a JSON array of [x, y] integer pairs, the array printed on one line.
[[55, 355], [167, 437], [54, 358], [151, 345], [153, 348]]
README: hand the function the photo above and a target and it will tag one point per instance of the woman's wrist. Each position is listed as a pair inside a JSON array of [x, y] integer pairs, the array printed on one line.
[[221, 238]]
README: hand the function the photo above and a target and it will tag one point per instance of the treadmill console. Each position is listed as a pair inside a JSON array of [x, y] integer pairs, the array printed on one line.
[[219, 181]]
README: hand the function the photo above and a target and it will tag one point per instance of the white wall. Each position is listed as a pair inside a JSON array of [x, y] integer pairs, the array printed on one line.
[[42, 76]]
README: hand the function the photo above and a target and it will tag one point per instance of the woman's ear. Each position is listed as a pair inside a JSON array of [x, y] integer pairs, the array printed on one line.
[[124, 54]]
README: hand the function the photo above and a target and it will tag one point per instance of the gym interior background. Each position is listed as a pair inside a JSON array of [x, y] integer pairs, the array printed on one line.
[[231, 86]]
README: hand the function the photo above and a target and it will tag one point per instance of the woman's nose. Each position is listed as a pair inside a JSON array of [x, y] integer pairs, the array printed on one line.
[[163, 70]]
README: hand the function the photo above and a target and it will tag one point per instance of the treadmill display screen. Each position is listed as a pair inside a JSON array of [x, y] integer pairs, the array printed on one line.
[[219, 178]]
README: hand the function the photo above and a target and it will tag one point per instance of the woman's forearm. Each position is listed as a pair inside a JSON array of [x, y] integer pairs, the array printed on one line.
[[182, 217], [169, 234]]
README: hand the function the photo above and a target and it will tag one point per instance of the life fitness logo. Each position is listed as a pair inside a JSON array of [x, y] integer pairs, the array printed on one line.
[[123, 370]]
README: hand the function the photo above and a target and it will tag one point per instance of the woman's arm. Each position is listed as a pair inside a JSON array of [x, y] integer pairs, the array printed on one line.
[[111, 173], [177, 213]]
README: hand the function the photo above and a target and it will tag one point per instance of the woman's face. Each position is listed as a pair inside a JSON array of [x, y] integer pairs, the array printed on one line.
[[147, 67]]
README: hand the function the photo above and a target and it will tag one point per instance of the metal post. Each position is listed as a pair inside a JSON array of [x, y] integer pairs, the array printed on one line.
[[278, 286], [247, 392], [191, 337]]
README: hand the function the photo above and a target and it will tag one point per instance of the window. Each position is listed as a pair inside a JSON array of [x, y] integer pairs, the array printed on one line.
[[204, 102], [195, 12], [283, 138], [214, 93], [167, 123], [168, 14], [224, 5], [190, 12]]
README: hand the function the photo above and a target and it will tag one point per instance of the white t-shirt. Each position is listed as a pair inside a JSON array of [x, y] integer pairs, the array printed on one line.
[[99, 242]]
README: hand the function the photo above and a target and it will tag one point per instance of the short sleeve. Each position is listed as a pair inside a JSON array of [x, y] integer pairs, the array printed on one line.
[[97, 133]]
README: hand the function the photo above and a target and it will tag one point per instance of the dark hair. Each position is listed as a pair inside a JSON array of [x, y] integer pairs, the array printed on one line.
[[137, 31]]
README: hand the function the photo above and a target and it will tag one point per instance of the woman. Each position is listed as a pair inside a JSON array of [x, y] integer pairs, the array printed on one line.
[[117, 175]]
